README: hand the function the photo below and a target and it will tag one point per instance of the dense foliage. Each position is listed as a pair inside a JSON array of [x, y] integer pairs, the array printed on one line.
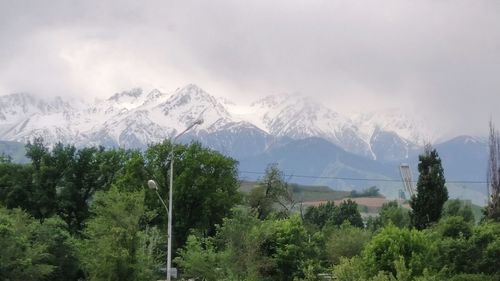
[[86, 214], [272, 193], [329, 214], [427, 204]]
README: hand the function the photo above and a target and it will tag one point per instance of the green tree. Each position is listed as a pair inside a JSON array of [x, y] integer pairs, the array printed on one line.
[[329, 214], [272, 193], [82, 173], [391, 244], [348, 211], [485, 248], [238, 237], [345, 242], [258, 201], [350, 269], [113, 164], [354, 269], [457, 207], [205, 188], [286, 242], [200, 260], [79, 179], [116, 246], [427, 204], [43, 195], [16, 186], [322, 215], [453, 245], [246, 248], [62, 249], [61, 180], [392, 213], [133, 175], [36, 150], [454, 227], [23, 257]]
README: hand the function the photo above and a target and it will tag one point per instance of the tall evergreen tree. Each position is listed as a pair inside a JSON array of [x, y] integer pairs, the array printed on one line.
[[427, 204]]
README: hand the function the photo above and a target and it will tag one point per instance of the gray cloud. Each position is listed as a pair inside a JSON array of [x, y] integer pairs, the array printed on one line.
[[440, 58]]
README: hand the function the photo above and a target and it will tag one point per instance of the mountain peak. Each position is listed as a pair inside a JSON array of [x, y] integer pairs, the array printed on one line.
[[191, 87], [154, 97], [193, 95], [271, 101], [192, 91], [155, 93], [18, 98], [21, 105], [189, 103], [126, 95], [285, 115], [405, 124]]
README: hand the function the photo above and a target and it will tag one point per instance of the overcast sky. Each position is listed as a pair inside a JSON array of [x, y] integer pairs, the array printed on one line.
[[441, 58]]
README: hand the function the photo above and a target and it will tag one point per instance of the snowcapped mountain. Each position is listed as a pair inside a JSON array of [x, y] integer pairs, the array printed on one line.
[[385, 135], [396, 121], [300, 117], [130, 119], [23, 115], [304, 136], [15, 106], [135, 118]]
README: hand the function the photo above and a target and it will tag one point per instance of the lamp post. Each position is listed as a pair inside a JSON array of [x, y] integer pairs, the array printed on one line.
[[153, 185]]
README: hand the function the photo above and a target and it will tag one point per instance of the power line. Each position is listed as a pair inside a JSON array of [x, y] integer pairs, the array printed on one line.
[[359, 179]]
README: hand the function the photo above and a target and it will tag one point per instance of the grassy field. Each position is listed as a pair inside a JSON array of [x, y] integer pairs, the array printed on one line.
[[311, 195], [315, 195], [305, 193]]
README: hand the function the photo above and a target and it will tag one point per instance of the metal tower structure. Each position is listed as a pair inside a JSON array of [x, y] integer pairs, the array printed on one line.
[[406, 177]]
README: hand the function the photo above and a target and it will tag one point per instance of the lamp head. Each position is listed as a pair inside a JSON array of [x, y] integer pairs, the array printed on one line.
[[152, 185]]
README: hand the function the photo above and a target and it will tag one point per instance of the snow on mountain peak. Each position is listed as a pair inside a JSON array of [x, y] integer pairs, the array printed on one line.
[[134, 117], [397, 121], [296, 115], [154, 94], [16, 107], [128, 99], [193, 94], [176, 111], [191, 101]]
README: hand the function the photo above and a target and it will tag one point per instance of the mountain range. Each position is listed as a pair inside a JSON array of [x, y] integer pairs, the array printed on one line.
[[311, 142]]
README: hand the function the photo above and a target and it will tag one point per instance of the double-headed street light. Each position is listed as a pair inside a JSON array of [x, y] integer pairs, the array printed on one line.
[[152, 185]]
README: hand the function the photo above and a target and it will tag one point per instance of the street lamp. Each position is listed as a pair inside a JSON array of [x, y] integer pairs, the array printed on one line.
[[152, 185]]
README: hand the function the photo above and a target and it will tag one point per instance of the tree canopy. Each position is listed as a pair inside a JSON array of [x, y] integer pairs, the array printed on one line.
[[87, 214], [427, 204]]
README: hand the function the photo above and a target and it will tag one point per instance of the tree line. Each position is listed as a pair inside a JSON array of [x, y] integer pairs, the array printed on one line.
[[86, 214], [100, 220]]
